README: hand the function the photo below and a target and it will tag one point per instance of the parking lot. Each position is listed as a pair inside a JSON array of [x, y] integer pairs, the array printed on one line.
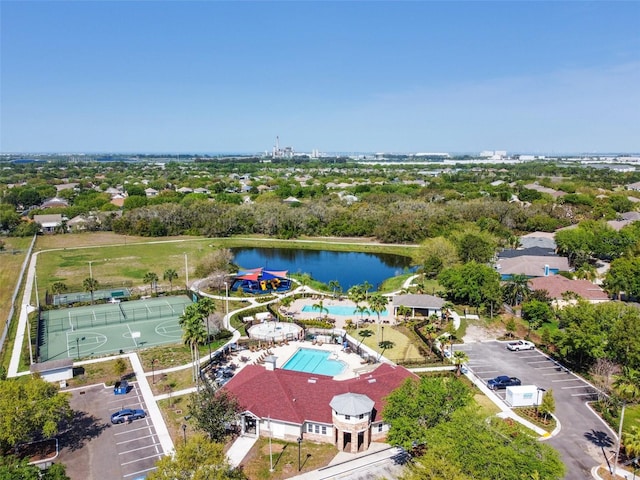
[[583, 436], [96, 449]]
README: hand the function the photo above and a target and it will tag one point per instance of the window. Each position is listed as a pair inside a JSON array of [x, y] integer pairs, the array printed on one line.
[[316, 428], [361, 416], [380, 427], [347, 417]]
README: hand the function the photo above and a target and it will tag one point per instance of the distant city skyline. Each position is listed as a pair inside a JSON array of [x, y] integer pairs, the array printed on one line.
[[402, 77]]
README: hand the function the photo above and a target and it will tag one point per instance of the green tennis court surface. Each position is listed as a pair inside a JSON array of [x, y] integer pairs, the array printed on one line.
[[103, 294], [98, 330]]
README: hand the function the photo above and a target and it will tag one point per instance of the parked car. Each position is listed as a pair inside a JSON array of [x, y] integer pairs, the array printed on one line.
[[127, 415], [503, 381], [520, 345]]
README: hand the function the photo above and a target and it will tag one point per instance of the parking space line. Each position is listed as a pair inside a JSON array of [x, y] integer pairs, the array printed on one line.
[[532, 356], [557, 373], [134, 439], [133, 430], [139, 472], [577, 386], [567, 380], [140, 459], [546, 368], [136, 449], [538, 361], [582, 394]]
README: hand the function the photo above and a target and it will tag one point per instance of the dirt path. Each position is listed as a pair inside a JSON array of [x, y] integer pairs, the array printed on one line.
[[478, 333]]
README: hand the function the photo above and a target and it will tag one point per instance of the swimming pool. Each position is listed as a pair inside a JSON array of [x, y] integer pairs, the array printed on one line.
[[314, 361], [338, 310]]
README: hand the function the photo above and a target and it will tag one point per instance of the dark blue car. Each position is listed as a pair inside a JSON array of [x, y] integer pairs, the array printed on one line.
[[127, 415], [503, 381]]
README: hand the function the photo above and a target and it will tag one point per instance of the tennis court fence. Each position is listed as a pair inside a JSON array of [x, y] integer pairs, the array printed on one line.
[[63, 320]]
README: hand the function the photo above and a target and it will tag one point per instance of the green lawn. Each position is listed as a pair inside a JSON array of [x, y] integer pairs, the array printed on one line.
[[402, 347]]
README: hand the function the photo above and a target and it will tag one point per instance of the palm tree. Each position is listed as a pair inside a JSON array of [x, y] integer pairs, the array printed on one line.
[[627, 387], [377, 304], [193, 333], [516, 290], [356, 294], [404, 311], [459, 357], [632, 442], [90, 285], [305, 279], [206, 307], [430, 332], [385, 345], [362, 310], [366, 286], [170, 274], [58, 288], [320, 307], [363, 334], [334, 285], [151, 278]]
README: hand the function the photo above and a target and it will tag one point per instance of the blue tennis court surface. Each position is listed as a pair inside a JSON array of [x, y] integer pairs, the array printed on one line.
[[337, 310], [314, 361]]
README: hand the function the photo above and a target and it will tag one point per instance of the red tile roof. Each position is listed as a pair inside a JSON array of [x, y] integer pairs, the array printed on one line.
[[297, 397], [556, 285]]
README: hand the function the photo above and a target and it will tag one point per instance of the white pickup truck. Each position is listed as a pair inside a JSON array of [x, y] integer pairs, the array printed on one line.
[[520, 345]]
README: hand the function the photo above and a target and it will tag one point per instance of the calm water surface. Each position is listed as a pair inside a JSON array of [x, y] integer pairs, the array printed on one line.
[[349, 268]]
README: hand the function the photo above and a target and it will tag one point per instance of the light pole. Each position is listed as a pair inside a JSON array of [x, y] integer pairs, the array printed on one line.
[[208, 339], [153, 370], [299, 442], [538, 397], [270, 451], [184, 433], [226, 305], [78, 347], [615, 461], [186, 270]]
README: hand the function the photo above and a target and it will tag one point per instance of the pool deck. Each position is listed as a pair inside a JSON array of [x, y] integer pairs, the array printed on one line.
[[297, 306], [283, 353]]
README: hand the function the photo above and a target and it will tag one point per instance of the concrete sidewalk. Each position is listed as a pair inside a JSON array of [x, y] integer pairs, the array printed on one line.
[[345, 465]]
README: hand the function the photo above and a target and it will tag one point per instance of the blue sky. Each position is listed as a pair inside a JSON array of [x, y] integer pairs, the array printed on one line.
[[209, 76]]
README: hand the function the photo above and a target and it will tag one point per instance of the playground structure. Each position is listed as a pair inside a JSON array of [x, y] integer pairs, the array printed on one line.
[[260, 281]]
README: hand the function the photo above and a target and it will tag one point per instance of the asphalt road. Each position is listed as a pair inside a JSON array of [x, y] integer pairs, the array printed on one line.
[[584, 438], [94, 449]]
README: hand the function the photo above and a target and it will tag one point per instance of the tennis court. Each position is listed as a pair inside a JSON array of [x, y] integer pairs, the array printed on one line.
[[98, 330], [104, 294]]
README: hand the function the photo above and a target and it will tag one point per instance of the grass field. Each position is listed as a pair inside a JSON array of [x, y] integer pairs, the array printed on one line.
[[402, 348], [119, 260], [10, 264]]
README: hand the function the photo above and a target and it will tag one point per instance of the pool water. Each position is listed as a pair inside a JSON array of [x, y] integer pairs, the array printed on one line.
[[314, 361], [338, 310]]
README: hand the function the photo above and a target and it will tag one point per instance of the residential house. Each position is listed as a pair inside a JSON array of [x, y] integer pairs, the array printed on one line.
[[563, 291], [55, 202], [544, 240], [532, 262], [49, 223], [634, 186]]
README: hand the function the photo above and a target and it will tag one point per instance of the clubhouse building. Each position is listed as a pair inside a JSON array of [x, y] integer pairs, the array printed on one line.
[[289, 405]]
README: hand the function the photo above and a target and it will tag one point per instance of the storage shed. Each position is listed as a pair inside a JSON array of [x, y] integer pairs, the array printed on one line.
[[523, 396]]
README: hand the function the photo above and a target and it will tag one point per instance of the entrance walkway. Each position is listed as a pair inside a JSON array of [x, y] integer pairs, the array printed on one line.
[[240, 448]]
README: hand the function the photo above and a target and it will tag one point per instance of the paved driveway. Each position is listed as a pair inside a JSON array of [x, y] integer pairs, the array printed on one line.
[[583, 437], [94, 449]]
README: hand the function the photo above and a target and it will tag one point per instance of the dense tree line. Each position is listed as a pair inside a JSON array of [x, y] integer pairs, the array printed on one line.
[[396, 203]]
